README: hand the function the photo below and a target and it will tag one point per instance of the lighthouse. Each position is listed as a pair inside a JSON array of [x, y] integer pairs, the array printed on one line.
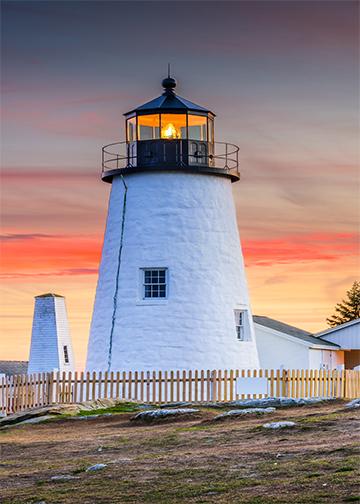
[[172, 291]]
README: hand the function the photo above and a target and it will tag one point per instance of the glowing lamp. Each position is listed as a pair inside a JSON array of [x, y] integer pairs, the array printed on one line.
[[169, 131]]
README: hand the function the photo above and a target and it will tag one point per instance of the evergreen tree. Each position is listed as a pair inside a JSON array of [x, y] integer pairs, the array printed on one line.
[[348, 309]]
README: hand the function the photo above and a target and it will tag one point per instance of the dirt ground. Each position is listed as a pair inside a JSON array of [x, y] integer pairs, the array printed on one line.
[[189, 461]]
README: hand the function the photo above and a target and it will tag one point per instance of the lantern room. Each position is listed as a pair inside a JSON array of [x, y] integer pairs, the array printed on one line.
[[170, 130], [170, 133]]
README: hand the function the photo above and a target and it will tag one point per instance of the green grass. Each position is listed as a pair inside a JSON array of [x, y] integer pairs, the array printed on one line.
[[126, 407]]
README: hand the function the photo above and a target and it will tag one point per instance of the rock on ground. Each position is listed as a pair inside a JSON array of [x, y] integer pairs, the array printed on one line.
[[355, 403], [277, 402], [279, 425], [179, 404], [64, 477], [96, 467], [244, 412], [58, 409], [164, 414], [21, 416]]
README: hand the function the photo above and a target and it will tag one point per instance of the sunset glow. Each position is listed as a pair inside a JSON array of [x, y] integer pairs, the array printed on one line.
[[282, 79]]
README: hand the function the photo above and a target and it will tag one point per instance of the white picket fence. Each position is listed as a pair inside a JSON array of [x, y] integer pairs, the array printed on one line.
[[21, 392]]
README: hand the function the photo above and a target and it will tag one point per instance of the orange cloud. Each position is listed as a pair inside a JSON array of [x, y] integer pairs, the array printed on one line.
[[32, 255], [299, 248]]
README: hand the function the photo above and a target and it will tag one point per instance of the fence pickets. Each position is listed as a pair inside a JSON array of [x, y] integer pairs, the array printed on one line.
[[21, 392]]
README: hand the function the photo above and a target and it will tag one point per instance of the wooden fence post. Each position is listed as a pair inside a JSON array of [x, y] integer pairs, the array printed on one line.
[[284, 384], [213, 385], [50, 388]]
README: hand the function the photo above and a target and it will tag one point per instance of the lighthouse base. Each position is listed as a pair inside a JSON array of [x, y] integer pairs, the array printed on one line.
[[183, 224]]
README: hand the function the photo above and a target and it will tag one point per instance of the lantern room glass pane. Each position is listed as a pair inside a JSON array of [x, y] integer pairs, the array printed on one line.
[[148, 127], [173, 126], [131, 129], [211, 130], [197, 127]]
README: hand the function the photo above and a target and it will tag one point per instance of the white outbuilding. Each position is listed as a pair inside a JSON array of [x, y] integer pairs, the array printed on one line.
[[281, 345], [51, 346], [172, 292], [347, 337]]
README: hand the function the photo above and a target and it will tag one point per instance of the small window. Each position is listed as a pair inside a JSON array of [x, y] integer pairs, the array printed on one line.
[[131, 129], [197, 127], [173, 126], [240, 324], [148, 127], [66, 355], [154, 283], [211, 130]]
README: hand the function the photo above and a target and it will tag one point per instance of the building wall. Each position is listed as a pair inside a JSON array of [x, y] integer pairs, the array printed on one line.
[[186, 223], [44, 347], [63, 334], [49, 335], [325, 359], [276, 352], [346, 337]]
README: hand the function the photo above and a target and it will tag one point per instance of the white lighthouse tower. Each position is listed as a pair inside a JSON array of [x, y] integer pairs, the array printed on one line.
[[172, 291]]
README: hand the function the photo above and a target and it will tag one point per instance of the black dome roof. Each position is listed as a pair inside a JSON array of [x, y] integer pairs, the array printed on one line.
[[169, 102]]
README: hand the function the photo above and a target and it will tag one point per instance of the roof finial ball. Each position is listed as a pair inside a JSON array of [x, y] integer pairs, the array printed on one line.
[[169, 84]]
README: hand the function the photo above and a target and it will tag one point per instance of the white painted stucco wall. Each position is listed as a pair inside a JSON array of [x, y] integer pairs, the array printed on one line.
[[50, 333], [276, 352], [187, 223], [325, 359], [347, 337]]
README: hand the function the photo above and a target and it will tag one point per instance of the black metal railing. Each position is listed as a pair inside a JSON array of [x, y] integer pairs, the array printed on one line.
[[219, 155]]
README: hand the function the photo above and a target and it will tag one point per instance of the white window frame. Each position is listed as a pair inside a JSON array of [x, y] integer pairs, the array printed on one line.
[[66, 354], [240, 324], [149, 299]]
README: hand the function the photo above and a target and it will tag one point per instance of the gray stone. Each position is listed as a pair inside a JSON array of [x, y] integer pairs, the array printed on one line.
[[90, 417], [175, 405], [244, 412], [279, 425], [277, 402], [355, 403], [96, 467], [21, 416], [216, 405], [37, 420], [64, 477], [256, 403], [162, 414]]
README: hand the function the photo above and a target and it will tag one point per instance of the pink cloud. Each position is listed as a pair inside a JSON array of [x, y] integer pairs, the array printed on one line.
[[299, 248]]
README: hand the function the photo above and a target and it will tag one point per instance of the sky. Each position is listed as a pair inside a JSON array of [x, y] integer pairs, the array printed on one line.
[[282, 78]]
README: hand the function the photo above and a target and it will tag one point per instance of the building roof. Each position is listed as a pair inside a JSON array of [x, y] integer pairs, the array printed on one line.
[[49, 294], [292, 331], [13, 367], [168, 102], [337, 328]]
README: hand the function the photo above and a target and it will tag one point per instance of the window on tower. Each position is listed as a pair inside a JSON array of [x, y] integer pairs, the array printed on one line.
[[148, 127], [173, 126], [131, 129], [154, 283], [66, 355], [240, 324], [197, 127]]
